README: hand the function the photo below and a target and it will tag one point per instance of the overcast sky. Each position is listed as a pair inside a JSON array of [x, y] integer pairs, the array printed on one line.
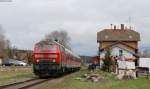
[[27, 21]]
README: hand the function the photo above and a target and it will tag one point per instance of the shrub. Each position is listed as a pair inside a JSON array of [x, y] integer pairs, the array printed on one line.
[[107, 61]]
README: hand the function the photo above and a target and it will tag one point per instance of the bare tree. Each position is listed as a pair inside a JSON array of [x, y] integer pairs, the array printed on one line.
[[8, 50], [5, 45], [2, 42], [59, 36]]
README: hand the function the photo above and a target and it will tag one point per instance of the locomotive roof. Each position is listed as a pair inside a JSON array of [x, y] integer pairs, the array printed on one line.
[[44, 42], [50, 42], [69, 51]]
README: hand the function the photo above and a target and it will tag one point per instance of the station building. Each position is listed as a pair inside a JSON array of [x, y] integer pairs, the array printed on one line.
[[122, 41]]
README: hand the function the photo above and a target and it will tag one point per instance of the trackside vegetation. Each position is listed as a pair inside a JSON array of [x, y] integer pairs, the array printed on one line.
[[70, 82]]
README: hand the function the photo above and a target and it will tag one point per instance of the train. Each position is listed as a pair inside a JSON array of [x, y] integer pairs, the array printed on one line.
[[50, 58]]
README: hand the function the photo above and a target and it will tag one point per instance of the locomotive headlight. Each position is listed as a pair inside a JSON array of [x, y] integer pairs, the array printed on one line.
[[37, 60], [53, 60]]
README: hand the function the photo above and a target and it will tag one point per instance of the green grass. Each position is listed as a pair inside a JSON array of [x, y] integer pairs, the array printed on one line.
[[69, 82], [14, 74]]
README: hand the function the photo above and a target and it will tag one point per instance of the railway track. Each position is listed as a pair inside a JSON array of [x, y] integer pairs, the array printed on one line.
[[25, 84]]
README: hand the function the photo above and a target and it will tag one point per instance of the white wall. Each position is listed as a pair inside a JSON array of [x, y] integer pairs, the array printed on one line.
[[115, 52], [144, 62], [126, 65]]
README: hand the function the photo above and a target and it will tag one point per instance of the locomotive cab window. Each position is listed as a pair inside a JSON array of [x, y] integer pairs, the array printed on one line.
[[43, 47]]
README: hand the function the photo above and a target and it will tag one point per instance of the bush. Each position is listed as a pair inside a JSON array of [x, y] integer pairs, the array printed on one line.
[[107, 61]]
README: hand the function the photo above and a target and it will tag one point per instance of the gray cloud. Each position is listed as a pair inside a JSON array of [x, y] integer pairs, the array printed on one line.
[[27, 21]]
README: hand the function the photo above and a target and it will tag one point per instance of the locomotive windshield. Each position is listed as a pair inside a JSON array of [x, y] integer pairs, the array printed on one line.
[[43, 47]]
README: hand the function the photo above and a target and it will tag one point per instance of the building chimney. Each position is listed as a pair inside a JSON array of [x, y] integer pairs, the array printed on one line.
[[122, 26]]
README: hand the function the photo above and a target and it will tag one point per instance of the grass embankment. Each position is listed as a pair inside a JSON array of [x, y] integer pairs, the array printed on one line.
[[69, 82], [15, 74]]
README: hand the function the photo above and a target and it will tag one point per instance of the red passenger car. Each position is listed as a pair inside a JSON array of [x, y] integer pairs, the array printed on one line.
[[51, 58]]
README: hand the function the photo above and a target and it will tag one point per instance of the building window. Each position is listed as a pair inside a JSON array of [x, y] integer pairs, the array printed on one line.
[[120, 52]]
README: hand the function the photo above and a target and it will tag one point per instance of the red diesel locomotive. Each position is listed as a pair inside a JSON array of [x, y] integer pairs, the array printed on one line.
[[52, 59]]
